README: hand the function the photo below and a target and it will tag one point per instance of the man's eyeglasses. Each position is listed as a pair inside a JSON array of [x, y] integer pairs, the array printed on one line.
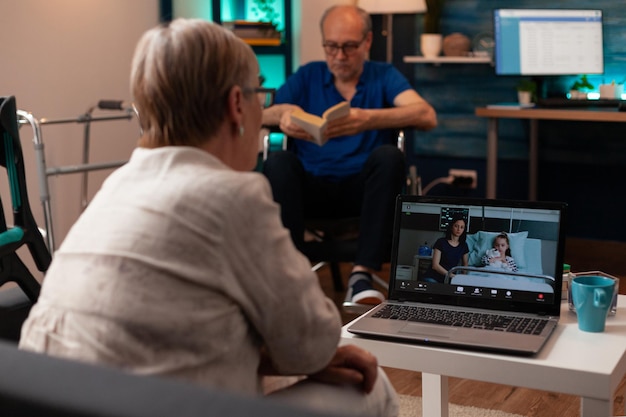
[[265, 95], [348, 48]]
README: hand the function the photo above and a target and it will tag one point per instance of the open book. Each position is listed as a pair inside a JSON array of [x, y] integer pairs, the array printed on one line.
[[315, 125]]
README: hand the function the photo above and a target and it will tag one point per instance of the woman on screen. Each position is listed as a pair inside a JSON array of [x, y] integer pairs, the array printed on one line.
[[449, 251]]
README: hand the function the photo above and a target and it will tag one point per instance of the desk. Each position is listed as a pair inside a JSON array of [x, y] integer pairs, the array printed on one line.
[[589, 365], [533, 114]]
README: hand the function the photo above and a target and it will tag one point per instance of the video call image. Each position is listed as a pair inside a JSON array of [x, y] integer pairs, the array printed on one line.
[[493, 250]]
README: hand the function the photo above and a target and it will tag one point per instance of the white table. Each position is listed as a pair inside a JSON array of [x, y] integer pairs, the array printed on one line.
[[589, 365]]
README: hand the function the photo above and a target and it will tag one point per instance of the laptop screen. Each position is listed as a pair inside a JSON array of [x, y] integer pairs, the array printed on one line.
[[484, 253]]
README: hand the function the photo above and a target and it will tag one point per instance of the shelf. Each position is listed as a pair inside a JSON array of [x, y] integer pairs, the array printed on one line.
[[262, 41], [448, 60], [273, 52]]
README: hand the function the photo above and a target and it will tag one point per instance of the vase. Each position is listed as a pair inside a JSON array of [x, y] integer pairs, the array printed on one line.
[[430, 44], [611, 91], [524, 97]]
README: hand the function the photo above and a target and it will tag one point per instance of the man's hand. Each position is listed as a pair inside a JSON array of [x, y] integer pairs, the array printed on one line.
[[350, 365], [351, 124], [355, 122], [291, 129], [280, 115]]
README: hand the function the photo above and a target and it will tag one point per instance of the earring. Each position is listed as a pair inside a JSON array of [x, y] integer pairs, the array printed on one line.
[[242, 130]]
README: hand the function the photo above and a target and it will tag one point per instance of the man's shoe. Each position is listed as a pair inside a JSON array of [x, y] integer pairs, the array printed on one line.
[[361, 289]]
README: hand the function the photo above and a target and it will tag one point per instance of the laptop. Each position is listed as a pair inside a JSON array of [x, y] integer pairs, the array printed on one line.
[[511, 307]]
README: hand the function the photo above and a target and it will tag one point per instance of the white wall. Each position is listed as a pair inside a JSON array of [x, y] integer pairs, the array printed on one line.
[[310, 38], [58, 58]]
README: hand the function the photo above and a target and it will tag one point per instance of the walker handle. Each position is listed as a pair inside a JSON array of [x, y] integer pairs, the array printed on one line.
[[111, 105]]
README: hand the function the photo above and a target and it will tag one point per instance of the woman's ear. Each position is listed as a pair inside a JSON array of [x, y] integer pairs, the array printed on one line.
[[235, 105]]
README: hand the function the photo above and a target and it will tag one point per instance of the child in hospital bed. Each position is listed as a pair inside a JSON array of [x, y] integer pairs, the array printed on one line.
[[499, 257]]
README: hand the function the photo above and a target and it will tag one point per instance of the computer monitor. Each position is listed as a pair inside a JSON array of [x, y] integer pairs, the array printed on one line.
[[538, 42]]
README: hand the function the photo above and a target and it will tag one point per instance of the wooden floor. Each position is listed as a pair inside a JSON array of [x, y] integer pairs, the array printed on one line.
[[582, 255]]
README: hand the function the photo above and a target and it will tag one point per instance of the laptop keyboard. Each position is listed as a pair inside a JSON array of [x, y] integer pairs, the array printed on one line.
[[486, 321]]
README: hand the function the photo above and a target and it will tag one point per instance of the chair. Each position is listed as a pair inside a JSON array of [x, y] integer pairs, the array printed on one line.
[[24, 230], [41, 385], [335, 240]]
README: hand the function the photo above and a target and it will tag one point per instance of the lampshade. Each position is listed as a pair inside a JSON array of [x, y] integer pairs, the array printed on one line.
[[393, 6]]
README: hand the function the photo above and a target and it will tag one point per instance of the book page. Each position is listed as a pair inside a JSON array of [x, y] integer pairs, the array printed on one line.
[[310, 123], [337, 111], [315, 125]]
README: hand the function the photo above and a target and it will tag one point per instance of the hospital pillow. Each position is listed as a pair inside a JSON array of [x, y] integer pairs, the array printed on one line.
[[481, 241]]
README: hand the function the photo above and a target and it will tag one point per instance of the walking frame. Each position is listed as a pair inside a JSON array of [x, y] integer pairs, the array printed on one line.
[[85, 167]]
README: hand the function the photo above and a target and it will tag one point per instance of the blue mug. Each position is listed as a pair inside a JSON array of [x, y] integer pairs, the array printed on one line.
[[592, 296]]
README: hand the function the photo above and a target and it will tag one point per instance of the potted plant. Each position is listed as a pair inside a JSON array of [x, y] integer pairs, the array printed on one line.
[[268, 21], [526, 91], [431, 39], [580, 88], [432, 18], [266, 11]]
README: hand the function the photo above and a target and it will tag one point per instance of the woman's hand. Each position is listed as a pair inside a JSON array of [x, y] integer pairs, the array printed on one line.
[[350, 365], [436, 265]]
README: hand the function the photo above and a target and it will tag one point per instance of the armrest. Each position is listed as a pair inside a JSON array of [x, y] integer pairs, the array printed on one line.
[[401, 140], [267, 139]]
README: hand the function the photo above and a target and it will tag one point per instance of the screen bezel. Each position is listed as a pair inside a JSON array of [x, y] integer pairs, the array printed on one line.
[[496, 62]]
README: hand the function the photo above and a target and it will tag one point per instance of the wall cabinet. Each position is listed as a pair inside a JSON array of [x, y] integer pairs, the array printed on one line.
[[276, 62]]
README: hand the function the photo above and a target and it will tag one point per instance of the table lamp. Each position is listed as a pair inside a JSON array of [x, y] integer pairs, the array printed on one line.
[[389, 8]]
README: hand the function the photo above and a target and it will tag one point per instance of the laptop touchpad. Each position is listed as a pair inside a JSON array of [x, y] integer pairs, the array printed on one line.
[[420, 329]]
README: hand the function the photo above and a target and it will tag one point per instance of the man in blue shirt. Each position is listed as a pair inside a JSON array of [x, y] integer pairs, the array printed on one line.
[[357, 172]]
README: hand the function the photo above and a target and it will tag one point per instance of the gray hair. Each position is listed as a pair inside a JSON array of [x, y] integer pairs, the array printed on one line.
[[181, 75]]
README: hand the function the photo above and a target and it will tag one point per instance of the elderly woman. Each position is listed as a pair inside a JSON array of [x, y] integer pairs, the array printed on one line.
[[180, 265]]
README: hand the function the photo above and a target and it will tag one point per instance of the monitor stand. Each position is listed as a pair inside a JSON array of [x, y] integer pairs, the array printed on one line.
[[541, 85]]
